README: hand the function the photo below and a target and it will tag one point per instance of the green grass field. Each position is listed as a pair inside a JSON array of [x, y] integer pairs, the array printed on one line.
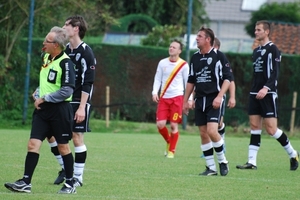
[[132, 166]]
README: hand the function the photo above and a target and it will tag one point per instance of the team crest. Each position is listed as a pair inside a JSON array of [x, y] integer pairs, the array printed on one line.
[[51, 76], [277, 59], [209, 60], [263, 52], [78, 56]]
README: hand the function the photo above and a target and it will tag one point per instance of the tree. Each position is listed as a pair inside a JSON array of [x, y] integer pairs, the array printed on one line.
[[134, 23], [165, 12], [162, 35], [14, 17], [284, 12], [170, 14]]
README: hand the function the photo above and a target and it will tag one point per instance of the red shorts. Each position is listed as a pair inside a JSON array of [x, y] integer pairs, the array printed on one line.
[[170, 109]]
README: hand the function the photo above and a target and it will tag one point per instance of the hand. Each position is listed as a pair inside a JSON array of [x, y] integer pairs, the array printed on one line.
[[37, 103], [155, 98], [185, 109], [217, 102], [262, 93], [231, 103], [80, 114]]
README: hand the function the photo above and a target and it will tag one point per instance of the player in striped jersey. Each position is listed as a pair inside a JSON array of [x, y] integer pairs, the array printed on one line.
[[210, 77], [83, 58], [263, 98]]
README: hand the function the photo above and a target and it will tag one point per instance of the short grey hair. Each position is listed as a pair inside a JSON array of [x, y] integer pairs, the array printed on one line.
[[61, 36]]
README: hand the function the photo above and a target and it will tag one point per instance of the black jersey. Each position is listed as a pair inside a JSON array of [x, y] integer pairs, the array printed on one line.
[[85, 62], [266, 62], [208, 71]]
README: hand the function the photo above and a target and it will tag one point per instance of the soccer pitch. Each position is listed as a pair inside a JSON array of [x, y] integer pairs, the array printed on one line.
[[132, 166]]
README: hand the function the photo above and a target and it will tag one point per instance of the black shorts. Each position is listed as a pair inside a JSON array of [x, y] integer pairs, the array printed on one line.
[[204, 111], [84, 125], [53, 119], [266, 107]]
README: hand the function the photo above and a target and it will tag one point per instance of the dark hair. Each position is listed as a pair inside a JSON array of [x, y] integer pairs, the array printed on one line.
[[179, 42], [79, 21], [266, 25], [208, 33]]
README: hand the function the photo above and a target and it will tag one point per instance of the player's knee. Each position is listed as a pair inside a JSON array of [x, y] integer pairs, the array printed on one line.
[[34, 145], [160, 125], [271, 130], [78, 139], [174, 127], [63, 149]]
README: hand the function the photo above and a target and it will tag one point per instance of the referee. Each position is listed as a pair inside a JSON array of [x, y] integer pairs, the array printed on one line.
[[53, 114]]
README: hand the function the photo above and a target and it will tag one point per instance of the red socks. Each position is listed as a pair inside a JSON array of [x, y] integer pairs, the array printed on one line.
[[165, 133], [173, 141], [169, 138]]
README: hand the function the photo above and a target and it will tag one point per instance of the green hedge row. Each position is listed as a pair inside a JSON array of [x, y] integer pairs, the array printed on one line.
[[129, 73]]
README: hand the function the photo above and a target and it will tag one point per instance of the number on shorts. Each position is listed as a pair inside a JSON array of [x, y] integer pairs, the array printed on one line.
[[175, 116]]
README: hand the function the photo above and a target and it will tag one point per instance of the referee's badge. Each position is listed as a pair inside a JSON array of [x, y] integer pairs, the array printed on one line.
[[52, 76], [263, 52], [209, 60]]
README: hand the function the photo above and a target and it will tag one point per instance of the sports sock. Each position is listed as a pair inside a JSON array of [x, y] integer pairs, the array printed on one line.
[[173, 141], [55, 152], [254, 146], [218, 146], [208, 152], [80, 157], [222, 133], [282, 138], [30, 164], [165, 133], [69, 163]]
